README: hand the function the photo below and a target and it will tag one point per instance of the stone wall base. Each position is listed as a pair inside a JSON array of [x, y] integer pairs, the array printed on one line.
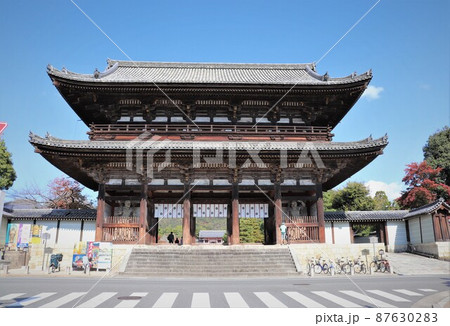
[[303, 252], [440, 250]]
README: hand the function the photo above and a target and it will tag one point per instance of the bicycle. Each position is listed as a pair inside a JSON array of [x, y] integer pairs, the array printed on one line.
[[343, 266], [321, 266], [359, 266]]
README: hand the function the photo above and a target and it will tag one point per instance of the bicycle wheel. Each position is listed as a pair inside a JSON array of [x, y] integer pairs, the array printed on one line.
[[317, 269], [325, 268], [357, 268], [346, 269], [363, 268], [374, 266], [382, 267], [338, 269]]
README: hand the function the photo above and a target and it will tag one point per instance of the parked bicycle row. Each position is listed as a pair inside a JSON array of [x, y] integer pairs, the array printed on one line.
[[346, 265]]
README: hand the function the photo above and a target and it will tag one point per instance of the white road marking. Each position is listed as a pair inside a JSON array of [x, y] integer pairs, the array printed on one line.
[[97, 300], [131, 303], [304, 300], [235, 300], [166, 300], [389, 296], [200, 300], [63, 300], [368, 299], [408, 292], [269, 300], [427, 290], [30, 300], [338, 300], [11, 296]]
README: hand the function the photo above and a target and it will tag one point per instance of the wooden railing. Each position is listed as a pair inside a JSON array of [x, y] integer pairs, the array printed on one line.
[[99, 131], [302, 229], [121, 220], [121, 234], [299, 234], [301, 219]]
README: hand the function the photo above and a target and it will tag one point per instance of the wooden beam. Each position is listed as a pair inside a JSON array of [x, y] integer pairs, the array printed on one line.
[[320, 213], [235, 215], [100, 212], [278, 213]]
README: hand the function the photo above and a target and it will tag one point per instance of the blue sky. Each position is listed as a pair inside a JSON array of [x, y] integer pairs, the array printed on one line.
[[405, 42]]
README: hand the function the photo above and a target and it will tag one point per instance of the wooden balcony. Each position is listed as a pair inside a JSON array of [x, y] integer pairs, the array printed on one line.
[[190, 131]]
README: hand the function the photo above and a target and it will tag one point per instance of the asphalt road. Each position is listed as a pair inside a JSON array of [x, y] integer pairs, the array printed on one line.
[[362, 291]]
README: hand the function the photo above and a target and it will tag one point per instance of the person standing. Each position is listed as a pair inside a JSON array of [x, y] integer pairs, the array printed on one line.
[[283, 233], [170, 237]]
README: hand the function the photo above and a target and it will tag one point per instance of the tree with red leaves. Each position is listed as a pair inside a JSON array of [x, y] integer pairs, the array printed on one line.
[[423, 186], [61, 193]]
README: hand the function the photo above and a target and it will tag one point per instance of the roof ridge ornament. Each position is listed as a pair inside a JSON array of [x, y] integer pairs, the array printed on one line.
[[50, 68]]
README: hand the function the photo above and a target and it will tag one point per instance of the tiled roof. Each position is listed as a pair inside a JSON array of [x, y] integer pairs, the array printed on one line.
[[365, 216], [207, 73], [211, 233], [429, 208], [367, 143], [48, 213]]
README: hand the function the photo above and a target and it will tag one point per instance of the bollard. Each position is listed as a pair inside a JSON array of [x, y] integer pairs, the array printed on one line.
[[67, 270], [6, 267], [352, 270], [89, 271], [371, 270], [332, 271], [311, 270], [27, 270], [391, 270]]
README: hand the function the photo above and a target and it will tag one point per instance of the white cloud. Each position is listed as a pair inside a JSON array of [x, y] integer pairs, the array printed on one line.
[[392, 190], [424, 86], [372, 92]]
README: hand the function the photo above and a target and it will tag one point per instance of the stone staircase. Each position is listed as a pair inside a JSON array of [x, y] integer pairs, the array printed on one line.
[[210, 261]]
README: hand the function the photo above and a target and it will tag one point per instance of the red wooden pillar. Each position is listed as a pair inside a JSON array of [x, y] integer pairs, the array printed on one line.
[[187, 239], [278, 212], [143, 211], [320, 213], [100, 212], [234, 239], [153, 223]]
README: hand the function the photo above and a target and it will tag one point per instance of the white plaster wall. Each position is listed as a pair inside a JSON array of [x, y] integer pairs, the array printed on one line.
[[427, 229], [341, 233], [50, 228], [414, 230], [328, 233], [69, 232], [397, 235], [88, 231]]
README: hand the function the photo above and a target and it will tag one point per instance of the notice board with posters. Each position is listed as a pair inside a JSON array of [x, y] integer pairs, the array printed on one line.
[[98, 253]]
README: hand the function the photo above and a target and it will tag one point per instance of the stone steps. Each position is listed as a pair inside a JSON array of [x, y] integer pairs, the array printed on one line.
[[205, 262]]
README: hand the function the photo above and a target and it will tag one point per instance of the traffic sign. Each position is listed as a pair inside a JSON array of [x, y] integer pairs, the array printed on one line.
[[3, 126]]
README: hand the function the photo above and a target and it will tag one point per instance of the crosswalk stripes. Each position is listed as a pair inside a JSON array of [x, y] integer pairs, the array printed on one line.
[[308, 299], [27, 301], [304, 300], [269, 300], [200, 300], [97, 300], [131, 303], [166, 300], [389, 296], [65, 299], [370, 300], [11, 296], [408, 292], [235, 300], [338, 300]]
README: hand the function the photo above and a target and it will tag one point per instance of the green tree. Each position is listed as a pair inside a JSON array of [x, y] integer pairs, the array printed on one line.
[[437, 153], [381, 201], [328, 198], [353, 197], [251, 230], [7, 173]]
